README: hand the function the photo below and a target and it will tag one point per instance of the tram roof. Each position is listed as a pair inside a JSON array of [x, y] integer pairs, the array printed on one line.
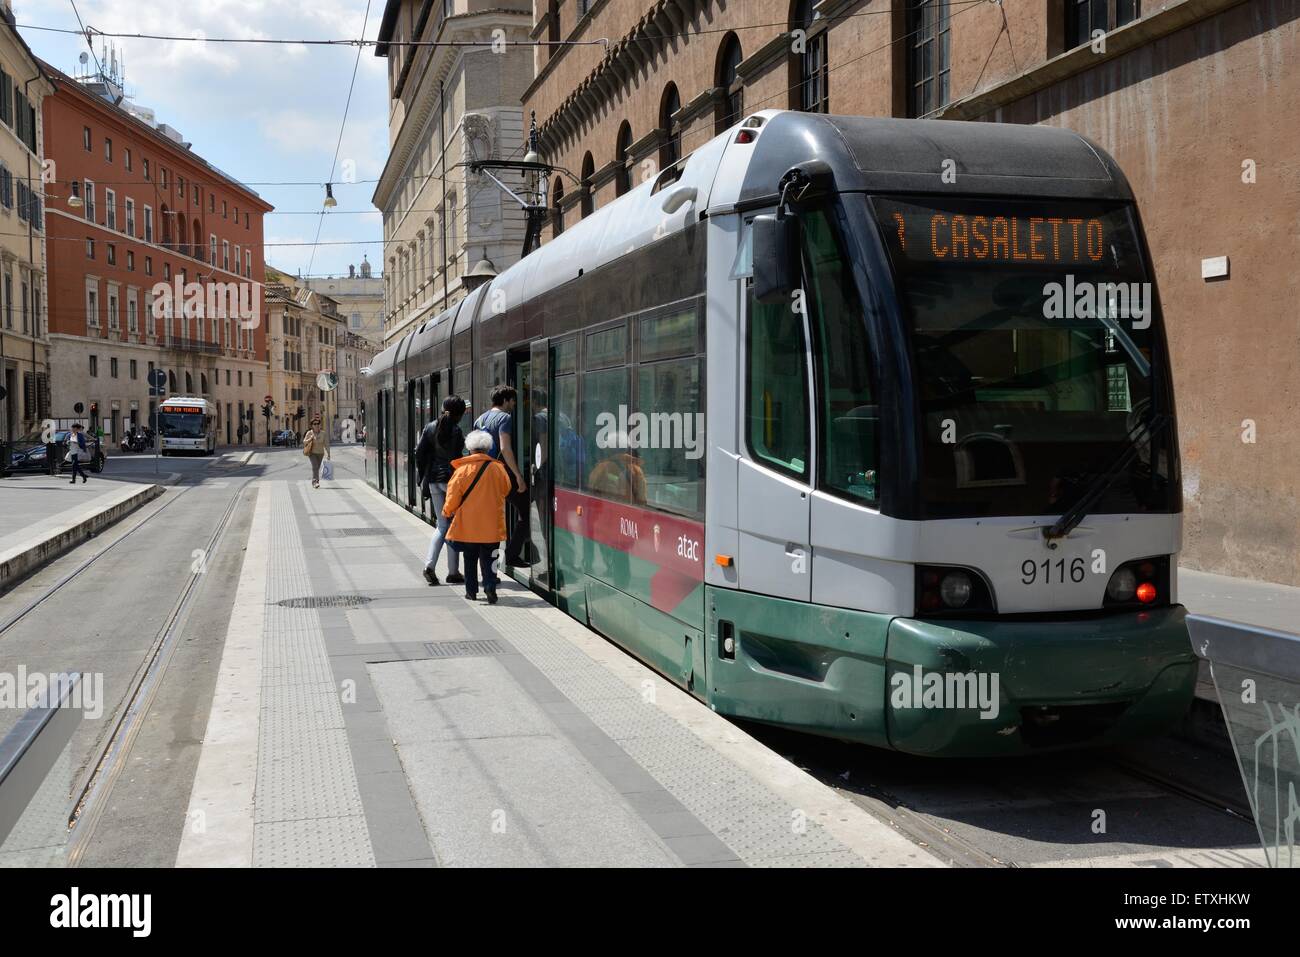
[[880, 154]]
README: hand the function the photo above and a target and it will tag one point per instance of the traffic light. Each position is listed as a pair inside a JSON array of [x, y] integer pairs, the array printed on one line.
[[300, 413], [94, 410]]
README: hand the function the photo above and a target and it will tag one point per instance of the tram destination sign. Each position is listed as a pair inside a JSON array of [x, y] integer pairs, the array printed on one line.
[[985, 232]]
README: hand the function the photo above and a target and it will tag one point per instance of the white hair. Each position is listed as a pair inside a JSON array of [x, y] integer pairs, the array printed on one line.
[[479, 441]]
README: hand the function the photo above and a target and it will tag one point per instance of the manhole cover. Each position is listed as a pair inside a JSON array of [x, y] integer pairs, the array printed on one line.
[[464, 649], [345, 532], [325, 601]]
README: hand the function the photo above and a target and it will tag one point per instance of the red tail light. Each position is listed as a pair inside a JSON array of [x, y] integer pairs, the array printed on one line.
[[1146, 593]]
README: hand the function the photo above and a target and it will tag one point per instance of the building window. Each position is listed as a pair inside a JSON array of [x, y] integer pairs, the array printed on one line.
[[557, 211], [732, 102], [112, 368], [212, 203], [85, 138], [225, 209], [130, 260], [144, 163], [112, 312], [212, 248], [126, 161], [90, 248], [148, 265], [245, 220], [148, 223], [167, 271], [130, 216], [149, 323], [622, 175], [1085, 17], [671, 150], [94, 366], [928, 66], [588, 171], [132, 316], [162, 177], [108, 149], [225, 255], [27, 321], [9, 302], [812, 94], [248, 263], [110, 252], [135, 372], [110, 208], [89, 198], [92, 308]]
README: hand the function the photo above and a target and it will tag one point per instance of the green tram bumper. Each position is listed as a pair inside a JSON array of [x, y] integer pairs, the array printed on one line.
[[1059, 684], [894, 682]]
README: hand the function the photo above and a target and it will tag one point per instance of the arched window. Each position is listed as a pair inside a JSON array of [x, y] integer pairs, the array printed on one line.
[[203, 381], [671, 150], [731, 106], [171, 380], [622, 174], [189, 384], [588, 171], [809, 85], [557, 210]]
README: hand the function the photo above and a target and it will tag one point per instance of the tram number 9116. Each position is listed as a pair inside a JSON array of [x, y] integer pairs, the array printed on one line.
[[1048, 572]]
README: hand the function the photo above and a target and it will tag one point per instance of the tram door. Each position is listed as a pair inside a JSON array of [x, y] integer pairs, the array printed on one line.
[[540, 501], [381, 440], [519, 375]]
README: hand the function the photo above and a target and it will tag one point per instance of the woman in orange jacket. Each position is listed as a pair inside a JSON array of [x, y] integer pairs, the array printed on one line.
[[476, 506]]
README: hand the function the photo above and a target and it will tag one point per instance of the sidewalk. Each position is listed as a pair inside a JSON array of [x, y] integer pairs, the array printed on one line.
[[42, 516], [362, 718]]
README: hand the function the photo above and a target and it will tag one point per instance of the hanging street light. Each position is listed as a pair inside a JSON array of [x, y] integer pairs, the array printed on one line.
[[330, 201]]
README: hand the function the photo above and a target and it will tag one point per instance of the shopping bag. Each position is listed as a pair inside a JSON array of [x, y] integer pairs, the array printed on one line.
[[327, 471]]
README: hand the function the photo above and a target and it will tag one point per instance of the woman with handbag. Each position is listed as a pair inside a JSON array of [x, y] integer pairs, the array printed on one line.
[[441, 443], [476, 499], [77, 450], [315, 445]]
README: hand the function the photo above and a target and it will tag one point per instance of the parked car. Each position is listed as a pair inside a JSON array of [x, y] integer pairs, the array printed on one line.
[[285, 437], [28, 453]]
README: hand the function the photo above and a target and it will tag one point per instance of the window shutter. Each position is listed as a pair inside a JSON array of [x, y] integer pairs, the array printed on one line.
[[6, 98]]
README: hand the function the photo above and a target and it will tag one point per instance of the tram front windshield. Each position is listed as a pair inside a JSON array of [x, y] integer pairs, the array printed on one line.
[[182, 425], [1033, 334]]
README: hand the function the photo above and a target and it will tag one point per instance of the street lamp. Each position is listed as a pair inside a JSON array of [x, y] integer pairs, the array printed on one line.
[[330, 201], [74, 200]]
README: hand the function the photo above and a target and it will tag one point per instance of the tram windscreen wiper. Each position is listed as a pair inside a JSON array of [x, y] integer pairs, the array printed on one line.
[[1070, 520]]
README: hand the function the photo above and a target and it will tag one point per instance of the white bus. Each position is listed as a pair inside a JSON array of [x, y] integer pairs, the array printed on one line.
[[188, 424]]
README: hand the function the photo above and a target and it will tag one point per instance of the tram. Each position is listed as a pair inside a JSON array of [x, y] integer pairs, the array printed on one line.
[[857, 426]]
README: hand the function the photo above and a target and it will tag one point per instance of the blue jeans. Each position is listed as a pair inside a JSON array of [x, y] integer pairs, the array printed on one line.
[[438, 498], [479, 557], [77, 469]]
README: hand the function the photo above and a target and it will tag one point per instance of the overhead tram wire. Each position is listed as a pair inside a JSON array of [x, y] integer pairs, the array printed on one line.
[[599, 41], [342, 128]]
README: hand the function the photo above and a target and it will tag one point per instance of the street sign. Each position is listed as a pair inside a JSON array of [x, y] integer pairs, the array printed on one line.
[[78, 408], [157, 378], [327, 382]]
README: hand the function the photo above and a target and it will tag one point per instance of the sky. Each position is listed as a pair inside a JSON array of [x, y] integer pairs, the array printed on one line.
[[261, 113]]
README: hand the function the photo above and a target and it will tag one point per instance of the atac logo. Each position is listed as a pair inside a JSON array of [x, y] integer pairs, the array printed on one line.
[[656, 537]]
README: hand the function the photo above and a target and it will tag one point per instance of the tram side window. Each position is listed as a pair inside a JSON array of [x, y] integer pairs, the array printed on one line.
[[671, 447], [849, 415], [615, 469], [777, 387], [570, 451]]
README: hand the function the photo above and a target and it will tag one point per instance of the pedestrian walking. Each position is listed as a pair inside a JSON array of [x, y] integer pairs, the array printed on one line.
[[499, 423], [315, 445], [77, 451], [441, 443], [476, 497]]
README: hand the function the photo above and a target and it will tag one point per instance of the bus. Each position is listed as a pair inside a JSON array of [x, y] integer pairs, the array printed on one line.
[[187, 424], [936, 507]]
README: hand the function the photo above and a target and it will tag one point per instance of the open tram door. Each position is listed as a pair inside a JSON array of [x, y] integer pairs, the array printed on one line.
[[528, 371]]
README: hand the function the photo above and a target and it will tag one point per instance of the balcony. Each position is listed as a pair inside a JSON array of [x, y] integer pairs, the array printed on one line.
[[182, 344]]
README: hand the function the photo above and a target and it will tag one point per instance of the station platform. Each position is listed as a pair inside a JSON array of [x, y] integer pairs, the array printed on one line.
[[363, 718]]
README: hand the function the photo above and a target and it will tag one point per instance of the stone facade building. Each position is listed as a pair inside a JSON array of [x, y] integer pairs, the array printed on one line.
[[24, 357], [448, 106], [360, 296], [1196, 100]]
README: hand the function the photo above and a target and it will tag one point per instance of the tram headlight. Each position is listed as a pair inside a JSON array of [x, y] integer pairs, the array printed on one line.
[[1123, 584], [949, 589], [955, 589]]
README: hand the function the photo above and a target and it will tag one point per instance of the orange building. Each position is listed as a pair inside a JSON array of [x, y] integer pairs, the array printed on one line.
[[155, 260]]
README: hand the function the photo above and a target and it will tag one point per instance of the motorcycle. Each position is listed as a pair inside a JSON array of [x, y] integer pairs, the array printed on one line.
[[139, 440]]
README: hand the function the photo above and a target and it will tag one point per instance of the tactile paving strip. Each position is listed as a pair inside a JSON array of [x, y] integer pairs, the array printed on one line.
[[308, 810]]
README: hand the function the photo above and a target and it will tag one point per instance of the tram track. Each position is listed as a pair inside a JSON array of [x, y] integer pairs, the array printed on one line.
[[108, 759], [1000, 813]]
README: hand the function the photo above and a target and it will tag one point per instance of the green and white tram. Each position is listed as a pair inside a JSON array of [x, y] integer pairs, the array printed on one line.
[[863, 427]]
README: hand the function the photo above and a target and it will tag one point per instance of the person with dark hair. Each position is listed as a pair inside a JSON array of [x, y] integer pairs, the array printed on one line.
[[441, 443], [499, 423]]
